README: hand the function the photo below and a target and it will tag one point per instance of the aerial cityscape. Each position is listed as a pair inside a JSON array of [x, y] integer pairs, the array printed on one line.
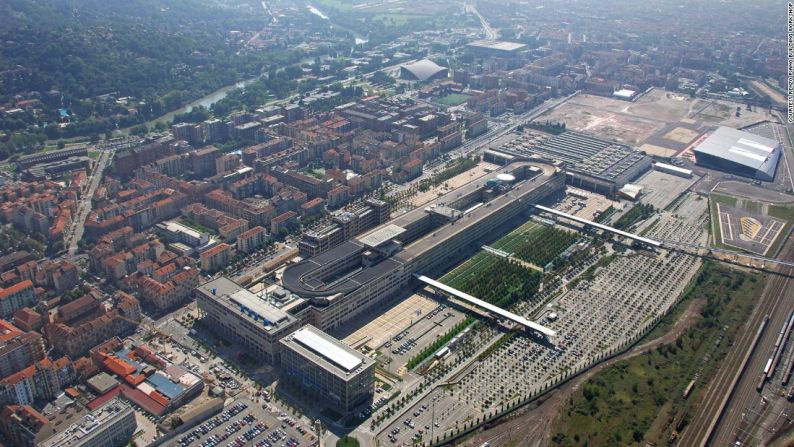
[[348, 223]]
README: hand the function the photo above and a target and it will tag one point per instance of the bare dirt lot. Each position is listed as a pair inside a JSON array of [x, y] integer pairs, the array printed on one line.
[[665, 120]]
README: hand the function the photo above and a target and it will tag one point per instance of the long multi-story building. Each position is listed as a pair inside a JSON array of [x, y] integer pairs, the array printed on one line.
[[16, 297], [18, 349], [76, 340], [364, 272], [110, 425], [317, 364], [249, 319], [351, 278]]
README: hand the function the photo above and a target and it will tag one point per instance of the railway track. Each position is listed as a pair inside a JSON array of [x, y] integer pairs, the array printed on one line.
[[732, 383]]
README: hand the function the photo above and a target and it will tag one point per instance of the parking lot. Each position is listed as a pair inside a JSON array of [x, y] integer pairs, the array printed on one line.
[[377, 332], [593, 316], [751, 231], [406, 344], [584, 204], [246, 423], [660, 189]]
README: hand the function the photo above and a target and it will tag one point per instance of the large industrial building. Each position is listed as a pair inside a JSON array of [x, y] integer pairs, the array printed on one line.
[[591, 163], [496, 48], [321, 366], [257, 322], [740, 153], [359, 274], [366, 272], [423, 70]]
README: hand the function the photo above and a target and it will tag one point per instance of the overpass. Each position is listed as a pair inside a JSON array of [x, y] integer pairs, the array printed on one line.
[[549, 333], [638, 238], [668, 244]]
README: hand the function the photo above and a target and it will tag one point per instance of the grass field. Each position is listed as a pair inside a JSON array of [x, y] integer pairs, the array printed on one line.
[[536, 243], [453, 99], [196, 226], [640, 401], [532, 242], [347, 441]]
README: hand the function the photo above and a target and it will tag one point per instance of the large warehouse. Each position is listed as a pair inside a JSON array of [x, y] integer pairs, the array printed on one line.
[[423, 70], [592, 163], [495, 48], [740, 153]]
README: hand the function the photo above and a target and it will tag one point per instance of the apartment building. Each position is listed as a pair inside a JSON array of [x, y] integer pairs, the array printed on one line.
[[251, 240], [19, 295], [18, 349], [24, 426], [215, 258], [42, 380]]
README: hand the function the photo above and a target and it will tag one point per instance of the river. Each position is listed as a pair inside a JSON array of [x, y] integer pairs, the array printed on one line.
[[208, 100], [358, 38]]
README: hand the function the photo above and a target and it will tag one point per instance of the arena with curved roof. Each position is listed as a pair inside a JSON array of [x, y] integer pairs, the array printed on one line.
[[423, 70], [740, 153]]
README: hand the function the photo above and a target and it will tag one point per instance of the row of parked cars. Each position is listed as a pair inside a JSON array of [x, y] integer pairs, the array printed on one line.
[[208, 426]]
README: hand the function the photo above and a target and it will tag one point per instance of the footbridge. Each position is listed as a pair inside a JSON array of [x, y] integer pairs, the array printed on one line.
[[626, 234], [494, 310]]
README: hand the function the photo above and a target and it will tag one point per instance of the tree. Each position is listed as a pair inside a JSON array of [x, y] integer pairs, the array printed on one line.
[[139, 130]]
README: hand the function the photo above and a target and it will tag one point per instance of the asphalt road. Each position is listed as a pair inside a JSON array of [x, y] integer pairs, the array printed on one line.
[[775, 301], [84, 207]]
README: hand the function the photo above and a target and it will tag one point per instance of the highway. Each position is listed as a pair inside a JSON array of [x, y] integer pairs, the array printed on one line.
[[490, 33], [720, 413]]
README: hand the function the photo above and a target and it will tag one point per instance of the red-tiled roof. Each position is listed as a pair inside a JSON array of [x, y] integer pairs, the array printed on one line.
[[16, 288]]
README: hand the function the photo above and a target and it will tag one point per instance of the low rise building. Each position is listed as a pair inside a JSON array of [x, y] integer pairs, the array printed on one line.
[[110, 425]]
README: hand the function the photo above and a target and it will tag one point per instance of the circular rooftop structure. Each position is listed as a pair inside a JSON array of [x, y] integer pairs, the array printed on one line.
[[506, 178]]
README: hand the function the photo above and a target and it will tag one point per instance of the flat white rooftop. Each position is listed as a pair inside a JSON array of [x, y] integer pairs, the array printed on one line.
[[327, 349], [498, 45], [257, 307], [177, 227], [738, 146], [381, 235]]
